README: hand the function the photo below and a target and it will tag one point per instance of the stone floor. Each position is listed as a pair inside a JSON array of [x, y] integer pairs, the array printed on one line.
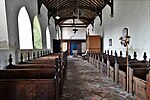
[[85, 82]]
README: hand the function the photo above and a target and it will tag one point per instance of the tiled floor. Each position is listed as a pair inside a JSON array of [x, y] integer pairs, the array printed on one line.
[[85, 82]]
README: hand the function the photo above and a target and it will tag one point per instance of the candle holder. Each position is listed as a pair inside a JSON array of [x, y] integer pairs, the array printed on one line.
[[125, 40]]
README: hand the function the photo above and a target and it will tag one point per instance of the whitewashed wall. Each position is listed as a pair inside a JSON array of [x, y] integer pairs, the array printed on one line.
[[44, 23], [83, 47], [97, 29], [53, 31], [12, 8], [68, 33], [43, 18], [133, 14], [80, 34]]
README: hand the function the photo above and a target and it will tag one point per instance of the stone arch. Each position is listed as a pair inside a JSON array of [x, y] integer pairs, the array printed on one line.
[[25, 30]]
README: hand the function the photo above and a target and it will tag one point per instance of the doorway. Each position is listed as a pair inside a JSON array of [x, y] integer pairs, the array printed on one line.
[[56, 46], [73, 46]]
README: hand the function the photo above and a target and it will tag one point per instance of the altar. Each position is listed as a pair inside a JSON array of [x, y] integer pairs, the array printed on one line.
[[74, 53]]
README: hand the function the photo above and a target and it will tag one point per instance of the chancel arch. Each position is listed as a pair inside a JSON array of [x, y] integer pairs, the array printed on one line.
[[25, 30]]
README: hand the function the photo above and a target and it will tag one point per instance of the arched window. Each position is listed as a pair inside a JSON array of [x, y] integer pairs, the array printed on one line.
[[25, 31], [4, 42], [48, 38], [57, 36], [37, 33]]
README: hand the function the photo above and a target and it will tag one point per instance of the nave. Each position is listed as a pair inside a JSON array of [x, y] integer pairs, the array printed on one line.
[[37, 36], [86, 82]]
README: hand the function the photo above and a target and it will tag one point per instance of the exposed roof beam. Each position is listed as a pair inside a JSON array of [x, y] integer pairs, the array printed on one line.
[[89, 9], [64, 19], [73, 26], [39, 5], [110, 3], [67, 7]]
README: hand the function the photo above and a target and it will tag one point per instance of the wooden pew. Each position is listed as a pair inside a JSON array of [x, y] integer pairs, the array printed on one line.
[[120, 74], [112, 66], [121, 69], [103, 63], [53, 60], [62, 59], [30, 66], [139, 83], [137, 75], [109, 62], [43, 62], [148, 84], [138, 70], [90, 56], [97, 60], [29, 84]]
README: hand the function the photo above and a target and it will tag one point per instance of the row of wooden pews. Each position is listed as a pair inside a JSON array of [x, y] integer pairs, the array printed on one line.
[[137, 83], [37, 79]]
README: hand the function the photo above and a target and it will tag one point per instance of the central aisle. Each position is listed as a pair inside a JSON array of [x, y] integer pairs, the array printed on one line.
[[85, 82]]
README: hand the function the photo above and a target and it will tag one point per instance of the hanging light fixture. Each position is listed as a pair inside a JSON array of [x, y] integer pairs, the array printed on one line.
[[57, 17], [74, 30]]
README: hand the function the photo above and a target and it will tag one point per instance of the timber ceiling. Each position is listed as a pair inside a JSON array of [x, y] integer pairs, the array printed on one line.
[[84, 10]]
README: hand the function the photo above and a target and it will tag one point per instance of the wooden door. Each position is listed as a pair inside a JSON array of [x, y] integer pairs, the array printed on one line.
[[94, 43], [56, 46]]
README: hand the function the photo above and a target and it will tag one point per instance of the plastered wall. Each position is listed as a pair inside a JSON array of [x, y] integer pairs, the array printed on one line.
[[11, 9], [69, 34], [133, 14]]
